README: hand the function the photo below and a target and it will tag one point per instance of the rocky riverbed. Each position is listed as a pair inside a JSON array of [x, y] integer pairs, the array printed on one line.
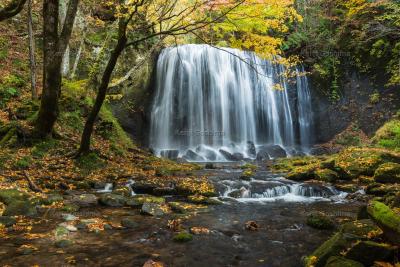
[[249, 229]]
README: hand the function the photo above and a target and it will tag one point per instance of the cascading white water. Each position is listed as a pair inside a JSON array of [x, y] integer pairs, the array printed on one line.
[[209, 99]]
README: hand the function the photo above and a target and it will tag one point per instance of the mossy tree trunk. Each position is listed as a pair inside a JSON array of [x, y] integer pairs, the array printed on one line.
[[54, 46]]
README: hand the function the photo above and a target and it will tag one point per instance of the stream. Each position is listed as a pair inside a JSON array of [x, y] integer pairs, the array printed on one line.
[[278, 206]]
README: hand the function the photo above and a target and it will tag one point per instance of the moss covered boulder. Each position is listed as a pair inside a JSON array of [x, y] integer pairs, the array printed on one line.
[[139, 200], [183, 237], [336, 261], [363, 161], [387, 219], [326, 175], [362, 229], [367, 252], [388, 173], [301, 173], [378, 189], [10, 195], [320, 221], [332, 247], [388, 135], [112, 200], [349, 234]]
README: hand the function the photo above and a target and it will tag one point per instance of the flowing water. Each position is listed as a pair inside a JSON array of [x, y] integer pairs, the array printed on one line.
[[209, 99]]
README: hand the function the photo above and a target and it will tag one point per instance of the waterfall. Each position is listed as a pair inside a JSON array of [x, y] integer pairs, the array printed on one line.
[[211, 103]]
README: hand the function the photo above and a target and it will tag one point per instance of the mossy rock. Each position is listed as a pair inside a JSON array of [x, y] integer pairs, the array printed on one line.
[[367, 252], [182, 207], [247, 175], [16, 208], [360, 228], [183, 237], [336, 261], [70, 208], [388, 135], [388, 173], [122, 190], [8, 196], [348, 187], [112, 200], [328, 164], [154, 209], [193, 187], [320, 221], [52, 198], [199, 199], [363, 161], [332, 247], [302, 173], [366, 180], [139, 200], [326, 175], [381, 190], [387, 220]]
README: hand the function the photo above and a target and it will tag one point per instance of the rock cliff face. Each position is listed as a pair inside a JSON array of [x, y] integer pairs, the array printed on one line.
[[133, 109], [363, 101]]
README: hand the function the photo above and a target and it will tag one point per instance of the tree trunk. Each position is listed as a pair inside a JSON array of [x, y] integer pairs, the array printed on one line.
[[12, 9], [101, 95], [32, 59], [54, 46]]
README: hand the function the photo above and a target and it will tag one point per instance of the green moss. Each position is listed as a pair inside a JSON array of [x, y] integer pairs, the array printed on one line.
[[89, 163], [326, 175], [336, 261], [388, 173], [247, 174], [10, 87], [9, 195], [23, 163], [388, 135], [320, 221], [248, 166], [183, 237], [112, 130], [359, 228], [332, 247], [42, 148], [363, 161], [386, 218], [302, 173]]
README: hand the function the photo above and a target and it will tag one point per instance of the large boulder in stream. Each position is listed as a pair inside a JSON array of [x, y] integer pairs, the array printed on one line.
[[349, 234], [112, 200], [231, 156], [190, 155], [208, 153], [271, 152], [387, 219]]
